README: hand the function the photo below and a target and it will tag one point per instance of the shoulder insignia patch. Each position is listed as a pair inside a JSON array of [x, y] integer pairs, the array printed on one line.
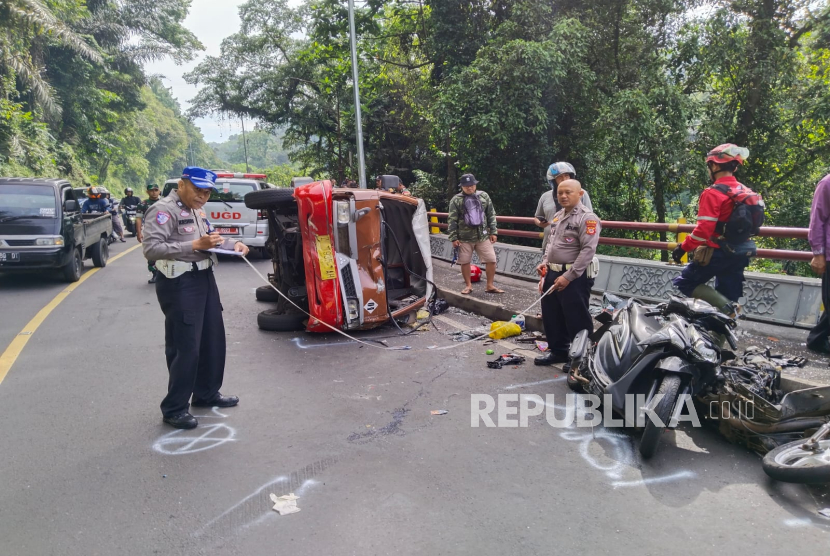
[[162, 217], [590, 227]]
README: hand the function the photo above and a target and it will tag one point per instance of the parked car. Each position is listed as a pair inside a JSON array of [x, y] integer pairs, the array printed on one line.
[[354, 260], [42, 228], [227, 212]]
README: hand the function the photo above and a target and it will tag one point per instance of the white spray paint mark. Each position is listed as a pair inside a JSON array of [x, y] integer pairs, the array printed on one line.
[[298, 342], [178, 442], [266, 512], [798, 522], [528, 384], [685, 474], [623, 456]]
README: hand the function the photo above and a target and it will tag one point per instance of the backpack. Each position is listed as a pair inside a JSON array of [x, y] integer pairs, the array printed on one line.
[[747, 215], [473, 210]]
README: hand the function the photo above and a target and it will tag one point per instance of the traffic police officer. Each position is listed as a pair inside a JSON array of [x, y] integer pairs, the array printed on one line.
[[567, 268], [140, 209], [176, 234], [549, 205]]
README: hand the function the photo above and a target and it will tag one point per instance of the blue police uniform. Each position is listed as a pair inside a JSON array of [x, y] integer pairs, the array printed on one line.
[[188, 296]]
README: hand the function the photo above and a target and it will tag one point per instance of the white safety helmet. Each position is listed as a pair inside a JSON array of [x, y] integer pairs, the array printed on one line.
[[560, 168]]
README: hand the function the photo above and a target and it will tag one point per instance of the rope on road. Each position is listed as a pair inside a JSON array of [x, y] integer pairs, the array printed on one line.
[[395, 348]]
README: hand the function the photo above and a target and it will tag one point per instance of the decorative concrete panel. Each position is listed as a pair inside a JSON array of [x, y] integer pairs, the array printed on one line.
[[768, 297]]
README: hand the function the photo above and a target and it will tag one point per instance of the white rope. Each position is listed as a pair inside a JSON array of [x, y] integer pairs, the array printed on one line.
[[395, 348]]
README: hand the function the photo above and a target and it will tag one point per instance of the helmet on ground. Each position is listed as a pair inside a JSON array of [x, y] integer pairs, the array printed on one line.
[[475, 273], [560, 168], [727, 152]]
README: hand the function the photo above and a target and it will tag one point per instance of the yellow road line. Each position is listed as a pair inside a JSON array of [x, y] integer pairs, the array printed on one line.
[[9, 356]]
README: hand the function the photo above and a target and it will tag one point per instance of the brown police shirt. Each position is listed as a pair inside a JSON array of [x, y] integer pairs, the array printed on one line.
[[169, 229], [574, 239]]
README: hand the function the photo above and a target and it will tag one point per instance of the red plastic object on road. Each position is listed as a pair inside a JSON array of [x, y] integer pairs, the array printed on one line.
[[475, 273]]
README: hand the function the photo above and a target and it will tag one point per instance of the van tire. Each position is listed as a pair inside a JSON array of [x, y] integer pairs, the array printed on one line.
[[100, 253], [270, 198], [73, 269], [280, 322], [267, 293]]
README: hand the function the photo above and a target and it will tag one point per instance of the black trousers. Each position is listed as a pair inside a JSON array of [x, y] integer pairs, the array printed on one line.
[[564, 313], [194, 338], [821, 331]]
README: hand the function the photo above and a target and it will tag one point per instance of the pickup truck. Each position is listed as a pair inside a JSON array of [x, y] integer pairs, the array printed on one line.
[[42, 228]]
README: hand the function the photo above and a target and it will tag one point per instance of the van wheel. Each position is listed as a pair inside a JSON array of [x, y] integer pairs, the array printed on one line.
[[266, 293], [72, 270], [280, 322], [270, 198], [100, 253]]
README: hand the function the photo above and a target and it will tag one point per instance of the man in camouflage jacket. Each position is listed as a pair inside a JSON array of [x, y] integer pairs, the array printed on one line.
[[468, 238]]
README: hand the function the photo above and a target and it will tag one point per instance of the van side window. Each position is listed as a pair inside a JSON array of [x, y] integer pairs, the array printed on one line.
[[67, 194]]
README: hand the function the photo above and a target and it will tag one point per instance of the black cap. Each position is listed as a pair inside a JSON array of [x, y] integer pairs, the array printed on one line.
[[468, 179]]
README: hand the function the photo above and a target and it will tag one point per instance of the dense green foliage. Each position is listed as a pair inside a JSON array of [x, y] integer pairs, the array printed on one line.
[[633, 93], [75, 101]]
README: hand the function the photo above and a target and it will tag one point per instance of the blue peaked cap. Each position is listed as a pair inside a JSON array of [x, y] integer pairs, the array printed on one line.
[[201, 178]]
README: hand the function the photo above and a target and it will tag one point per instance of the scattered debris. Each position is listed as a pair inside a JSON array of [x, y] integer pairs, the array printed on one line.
[[489, 352], [543, 346], [422, 315], [286, 504], [501, 329], [506, 359], [438, 412], [825, 512], [438, 306], [771, 339], [466, 335]]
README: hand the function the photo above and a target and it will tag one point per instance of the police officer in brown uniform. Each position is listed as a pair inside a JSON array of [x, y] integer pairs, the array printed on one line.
[[566, 266], [176, 235]]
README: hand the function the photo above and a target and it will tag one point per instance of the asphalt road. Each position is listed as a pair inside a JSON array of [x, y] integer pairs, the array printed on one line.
[[88, 468]]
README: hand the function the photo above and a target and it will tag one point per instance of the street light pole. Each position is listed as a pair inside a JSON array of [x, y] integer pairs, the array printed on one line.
[[353, 43]]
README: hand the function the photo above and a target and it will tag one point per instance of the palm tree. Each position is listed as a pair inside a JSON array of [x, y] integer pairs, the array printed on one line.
[[23, 26]]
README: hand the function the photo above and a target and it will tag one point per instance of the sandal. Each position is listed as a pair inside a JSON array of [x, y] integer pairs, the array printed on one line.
[[467, 291], [494, 290]]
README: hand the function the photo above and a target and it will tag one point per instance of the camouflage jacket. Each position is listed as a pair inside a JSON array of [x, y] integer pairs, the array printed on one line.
[[144, 206], [459, 230]]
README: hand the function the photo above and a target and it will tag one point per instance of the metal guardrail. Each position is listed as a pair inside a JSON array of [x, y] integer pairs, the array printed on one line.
[[768, 231]]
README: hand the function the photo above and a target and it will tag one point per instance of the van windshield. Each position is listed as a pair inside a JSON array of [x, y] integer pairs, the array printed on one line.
[[229, 190], [27, 201]]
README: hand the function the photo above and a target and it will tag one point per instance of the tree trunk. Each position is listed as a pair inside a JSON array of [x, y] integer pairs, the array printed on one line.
[[452, 172]]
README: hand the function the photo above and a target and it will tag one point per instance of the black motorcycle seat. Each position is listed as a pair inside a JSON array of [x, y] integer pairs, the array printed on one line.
[[642, 326]]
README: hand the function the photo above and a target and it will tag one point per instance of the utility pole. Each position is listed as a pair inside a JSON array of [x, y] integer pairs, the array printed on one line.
[[245, 144], [353, 42]]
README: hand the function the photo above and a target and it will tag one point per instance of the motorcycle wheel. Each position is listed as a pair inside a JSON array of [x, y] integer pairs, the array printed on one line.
[[652, 433], [790, 463]]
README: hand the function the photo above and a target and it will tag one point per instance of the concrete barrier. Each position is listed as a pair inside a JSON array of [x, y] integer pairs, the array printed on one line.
[[772, 298]]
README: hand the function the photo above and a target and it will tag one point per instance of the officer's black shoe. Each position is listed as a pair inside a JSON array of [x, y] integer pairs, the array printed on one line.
[[218, 401], [820, 347], [550, 358], [183, 420], [152, 279]]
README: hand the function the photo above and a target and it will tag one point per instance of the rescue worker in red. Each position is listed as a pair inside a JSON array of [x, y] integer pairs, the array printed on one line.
[[713, 255]]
